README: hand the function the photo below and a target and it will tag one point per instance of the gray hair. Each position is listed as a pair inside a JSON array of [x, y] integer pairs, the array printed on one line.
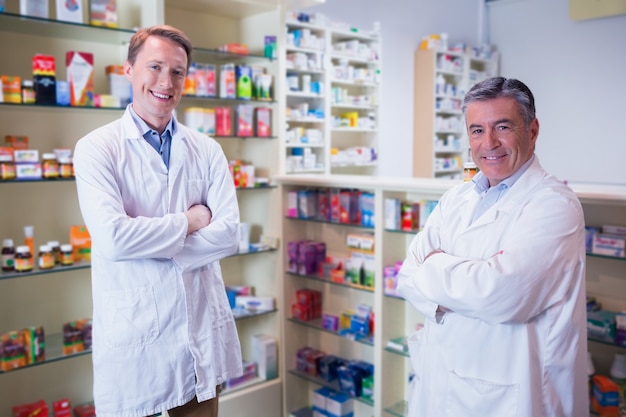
[[497, 87]]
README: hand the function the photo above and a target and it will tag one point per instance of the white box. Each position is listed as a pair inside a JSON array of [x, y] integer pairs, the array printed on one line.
[[339, 405], [255, 303], [613, 229], [70, 11], [610, 245], [265, 355], [35, 8]]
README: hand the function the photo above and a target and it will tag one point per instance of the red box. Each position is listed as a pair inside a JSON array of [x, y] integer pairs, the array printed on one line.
[[263, 122], [62, 408], [223, 122], [85, 410], [38, 408]]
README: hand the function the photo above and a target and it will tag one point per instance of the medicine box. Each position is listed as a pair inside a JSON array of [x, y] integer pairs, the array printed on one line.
[[80, 76], [264, 354], [339, 405], [610, 245], [255, 302]]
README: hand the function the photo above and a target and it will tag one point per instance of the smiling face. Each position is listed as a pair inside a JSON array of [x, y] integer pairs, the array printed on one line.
[[158, 78], [500, 141]]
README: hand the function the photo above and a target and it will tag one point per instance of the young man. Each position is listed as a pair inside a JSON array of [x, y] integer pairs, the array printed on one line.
[[160, 205], [499, 274]]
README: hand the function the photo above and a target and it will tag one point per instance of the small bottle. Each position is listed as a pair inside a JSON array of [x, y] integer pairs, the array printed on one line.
[[469, 170], [28, 92], [46, 257], [49, 166], [66, 167], [29, 238], [7, 168], [67, 255], [56, 251], [8, 255], [23, 259]]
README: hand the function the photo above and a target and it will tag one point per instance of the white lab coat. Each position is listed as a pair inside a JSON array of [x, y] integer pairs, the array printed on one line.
[[515, 343], [163, 331]]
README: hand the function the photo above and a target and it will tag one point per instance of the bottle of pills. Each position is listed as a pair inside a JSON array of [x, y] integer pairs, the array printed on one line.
[[8, 255], [46, 257], [28, 92], [56, 251], [469, 170], [7, 168], [49, 166], [67, 254], [66, 167], [23, 259]]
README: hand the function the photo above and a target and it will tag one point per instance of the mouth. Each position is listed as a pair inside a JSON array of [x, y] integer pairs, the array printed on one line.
[[161, 96], [493, 158]]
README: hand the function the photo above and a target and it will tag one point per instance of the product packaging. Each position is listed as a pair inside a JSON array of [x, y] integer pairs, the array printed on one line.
[[70, 10], [263, 122], [264, 354], [44, 78], [35, 8], [11, 89], [119, 85], [245, 118], [243, 77], [80, 75], [103, 13], [223, 121], [227, 81], [81, 243], [38, 408]]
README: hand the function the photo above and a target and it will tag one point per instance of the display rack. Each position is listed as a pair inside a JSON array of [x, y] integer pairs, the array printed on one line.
[[332, 93], [442, 78], [394, 318]]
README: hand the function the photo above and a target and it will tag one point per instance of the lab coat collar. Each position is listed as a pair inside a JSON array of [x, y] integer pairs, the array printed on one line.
[[510, 200]]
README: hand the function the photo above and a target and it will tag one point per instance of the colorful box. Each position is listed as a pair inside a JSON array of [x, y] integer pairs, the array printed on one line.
[[265, 355], [80, 76], [11, 89], [103, 13], [263, 122], [245, 118]]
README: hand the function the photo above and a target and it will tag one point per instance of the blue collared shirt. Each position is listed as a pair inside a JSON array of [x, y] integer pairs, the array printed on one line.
[[490, 195], [161, 143]]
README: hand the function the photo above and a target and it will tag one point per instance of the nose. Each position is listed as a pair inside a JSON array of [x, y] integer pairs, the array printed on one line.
[[166, 80], [492, 139]]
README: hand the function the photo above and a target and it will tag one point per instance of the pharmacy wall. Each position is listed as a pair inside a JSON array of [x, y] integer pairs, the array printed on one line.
[[575, 69]]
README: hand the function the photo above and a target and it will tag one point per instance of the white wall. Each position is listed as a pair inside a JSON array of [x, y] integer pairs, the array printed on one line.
[[577, 70], [403, 23]]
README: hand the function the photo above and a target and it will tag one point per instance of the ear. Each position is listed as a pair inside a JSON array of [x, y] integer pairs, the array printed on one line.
[[534, 131], [128, 70]]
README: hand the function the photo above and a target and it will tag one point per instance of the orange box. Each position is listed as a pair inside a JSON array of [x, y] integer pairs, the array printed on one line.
[[12, 89], [16, 142], [605, 396], [81, 243]]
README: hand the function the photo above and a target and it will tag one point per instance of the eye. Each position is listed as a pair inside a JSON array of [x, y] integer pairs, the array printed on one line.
[[503, 128], [476, 131], [179, 73], [155, 67]]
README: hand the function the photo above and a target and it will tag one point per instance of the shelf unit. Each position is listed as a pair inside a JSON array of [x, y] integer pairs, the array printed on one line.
[[332, 126], [441, 80], [394, 318], [63, 294], [52, 209], [211, 25]]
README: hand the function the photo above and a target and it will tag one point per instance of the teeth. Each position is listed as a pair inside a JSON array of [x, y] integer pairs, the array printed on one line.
[[160, 95]]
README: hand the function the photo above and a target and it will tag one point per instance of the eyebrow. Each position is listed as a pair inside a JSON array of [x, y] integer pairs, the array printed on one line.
[[497, 122]]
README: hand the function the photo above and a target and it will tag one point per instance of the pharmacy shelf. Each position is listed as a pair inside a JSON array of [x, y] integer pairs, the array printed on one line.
[[53, 353], [317, 324], [51, 28], [36, 271], [334, 385]]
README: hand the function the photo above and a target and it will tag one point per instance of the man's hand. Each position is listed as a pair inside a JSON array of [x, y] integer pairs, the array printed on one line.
[[198, 216]]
